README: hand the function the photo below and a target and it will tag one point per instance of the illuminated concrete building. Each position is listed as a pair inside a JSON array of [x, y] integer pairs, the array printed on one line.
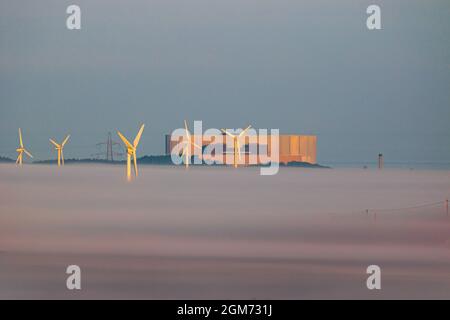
[[292, 148]]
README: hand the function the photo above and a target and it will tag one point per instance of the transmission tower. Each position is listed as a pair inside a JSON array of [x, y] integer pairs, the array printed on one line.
[[110, 152]]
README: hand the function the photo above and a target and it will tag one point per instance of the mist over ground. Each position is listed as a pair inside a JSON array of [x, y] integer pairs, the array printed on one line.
[[216, 232]]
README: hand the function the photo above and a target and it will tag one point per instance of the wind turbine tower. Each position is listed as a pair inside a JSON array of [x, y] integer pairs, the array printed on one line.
[[236, 144], [187, 145], [59, 149], [21, 150], [131, 151]]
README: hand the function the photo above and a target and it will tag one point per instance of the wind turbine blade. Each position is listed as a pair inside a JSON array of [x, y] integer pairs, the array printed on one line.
[[20, 138], [135, 165], [29, 154], [62, 156], [244, 131], [188, 135], [138, 136], [226, 132], [127, 143], [56, 145], [65, 140], [18, 158]]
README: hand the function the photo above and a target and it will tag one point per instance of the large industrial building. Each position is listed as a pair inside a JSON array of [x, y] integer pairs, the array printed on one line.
[[292, 148]]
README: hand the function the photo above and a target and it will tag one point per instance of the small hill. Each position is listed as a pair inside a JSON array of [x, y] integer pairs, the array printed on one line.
[[303, 165], [69, 161], [6, 160], [160, 160]]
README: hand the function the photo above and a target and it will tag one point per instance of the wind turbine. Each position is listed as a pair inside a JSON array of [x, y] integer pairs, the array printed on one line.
[[59, 148], [187, 142], [236, 144], [21, 149], [131, 151]]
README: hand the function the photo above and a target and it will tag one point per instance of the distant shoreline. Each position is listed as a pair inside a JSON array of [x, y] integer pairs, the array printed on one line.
[[164, 160]]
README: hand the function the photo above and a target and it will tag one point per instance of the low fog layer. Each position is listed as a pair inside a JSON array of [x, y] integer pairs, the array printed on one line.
[[223, 233]]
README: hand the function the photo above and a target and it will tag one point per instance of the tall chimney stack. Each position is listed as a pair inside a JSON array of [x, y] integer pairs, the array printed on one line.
[[380, 161]]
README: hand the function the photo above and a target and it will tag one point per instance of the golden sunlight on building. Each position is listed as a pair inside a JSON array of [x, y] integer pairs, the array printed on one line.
[[292, 148]]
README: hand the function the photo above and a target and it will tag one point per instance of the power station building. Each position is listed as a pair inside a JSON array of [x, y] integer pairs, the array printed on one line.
[[292, 148]]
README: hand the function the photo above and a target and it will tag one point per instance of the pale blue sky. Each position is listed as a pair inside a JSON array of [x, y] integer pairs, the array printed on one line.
[[307, 67]]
